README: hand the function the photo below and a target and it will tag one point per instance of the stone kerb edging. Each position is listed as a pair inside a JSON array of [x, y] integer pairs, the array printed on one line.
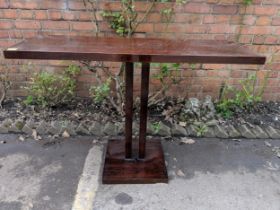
[[214, 130]]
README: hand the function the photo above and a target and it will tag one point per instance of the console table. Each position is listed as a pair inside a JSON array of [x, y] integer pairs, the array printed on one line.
[[130, 161]]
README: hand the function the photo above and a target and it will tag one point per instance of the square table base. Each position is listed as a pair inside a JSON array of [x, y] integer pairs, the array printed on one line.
[[118, 170]]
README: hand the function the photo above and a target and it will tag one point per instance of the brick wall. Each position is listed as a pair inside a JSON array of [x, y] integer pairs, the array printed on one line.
[[258, 25]]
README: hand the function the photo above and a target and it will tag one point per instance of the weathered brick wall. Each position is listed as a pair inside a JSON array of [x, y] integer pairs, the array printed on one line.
[[258, 25]]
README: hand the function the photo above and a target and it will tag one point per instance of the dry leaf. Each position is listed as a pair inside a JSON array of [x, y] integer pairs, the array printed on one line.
[[21, 138], [34, 134], [183, 124], [187, 141], [76, 114], [180, 173], [65, 134], [267, 144]]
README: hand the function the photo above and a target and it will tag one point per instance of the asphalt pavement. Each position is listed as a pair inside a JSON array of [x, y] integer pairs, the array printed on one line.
[[65, 174]]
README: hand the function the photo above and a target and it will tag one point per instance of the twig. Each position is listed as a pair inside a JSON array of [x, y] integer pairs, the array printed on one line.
[[144, 17], [3, 96], [93, 11]]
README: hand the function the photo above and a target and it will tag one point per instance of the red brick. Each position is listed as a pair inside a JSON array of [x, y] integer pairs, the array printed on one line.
[[8, 14], [85, 16], [145, 27], [271, 2], [4, 24], [277, 32], [163, 28], [82, 26], [237, 74], [4, 4], [154, 17], [7, 43], [27, 24], [142, 6], [266, 10], [76, 5], [214, 66], [221, 19], [216, 19], [15, 34], [4, 34], [55, 25], [257, 30], [54, 15], [200, 22], [103, 26], [40, 14], [24, 4], [197, 8], [69, 15], [160, 6], [263, 21], [259, 39], [208, 19], [236, 19], [29, 33], [53, 4], [248, 20], [225, 9], [187, 19], [195, 29], [271, 39], [25, 14], [220, 28], [276, 21], [245, 39]]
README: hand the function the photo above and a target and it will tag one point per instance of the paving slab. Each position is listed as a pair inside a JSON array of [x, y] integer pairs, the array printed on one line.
[[37, 176], [213, 174]]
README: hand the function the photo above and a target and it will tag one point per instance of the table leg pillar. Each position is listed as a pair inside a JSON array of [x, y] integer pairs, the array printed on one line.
[[128, 109], [121, 166], [144, 109]]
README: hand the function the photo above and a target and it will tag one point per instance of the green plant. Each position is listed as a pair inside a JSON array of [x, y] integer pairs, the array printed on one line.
[[246, 97], [200, 129], [156, 127], [247, 2], [117, 22], [101, 92], [29, 100], [168, 75], [50, 90], [125, 23]]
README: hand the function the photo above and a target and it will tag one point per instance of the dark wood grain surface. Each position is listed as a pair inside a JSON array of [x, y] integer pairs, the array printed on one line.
[[133, 50]]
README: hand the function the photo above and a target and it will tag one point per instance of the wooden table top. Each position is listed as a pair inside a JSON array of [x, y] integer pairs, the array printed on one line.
[[133, 50]]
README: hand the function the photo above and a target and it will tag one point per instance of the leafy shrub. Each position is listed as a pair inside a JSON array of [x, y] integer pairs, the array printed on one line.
[[200, 129], [101, 92], [50, 90], [156, 127], [247, 2], [246, 97], [117, 22]]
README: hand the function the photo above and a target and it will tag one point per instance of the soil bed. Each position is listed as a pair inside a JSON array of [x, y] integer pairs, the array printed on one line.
[[82, 109]]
